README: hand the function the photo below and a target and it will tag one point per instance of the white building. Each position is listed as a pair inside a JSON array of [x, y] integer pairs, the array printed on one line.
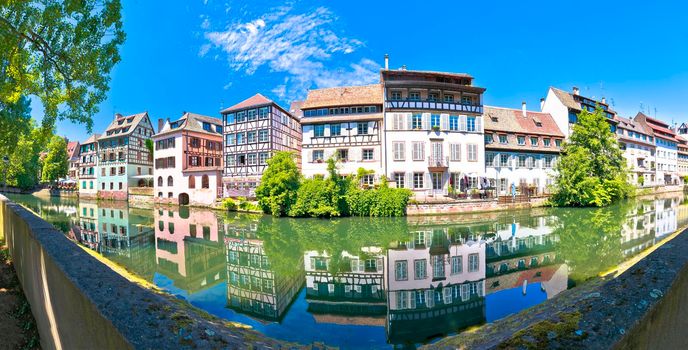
[[564, 108], [638, 148], [666, 154], [521, 148], [433, 132], [345, 123]]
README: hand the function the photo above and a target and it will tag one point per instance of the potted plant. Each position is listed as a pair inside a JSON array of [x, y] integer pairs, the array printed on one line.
[[436, 128]]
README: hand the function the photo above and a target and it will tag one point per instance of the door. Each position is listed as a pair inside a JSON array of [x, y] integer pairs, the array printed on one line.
[[437, 181], [437, 158]]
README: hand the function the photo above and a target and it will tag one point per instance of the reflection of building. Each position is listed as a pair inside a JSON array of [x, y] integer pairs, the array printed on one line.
[[638, 231], [346, 285], [189, 248], [665, 216], [88, 181], [436, 285], [256, 287], [124, 160], [521, 148], [254, 129], [88, 225], [188, 165]]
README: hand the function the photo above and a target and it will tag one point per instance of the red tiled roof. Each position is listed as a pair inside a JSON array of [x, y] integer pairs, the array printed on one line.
[[344, 96], [295, 109], [255, 100], [72, 149], [512, 120]]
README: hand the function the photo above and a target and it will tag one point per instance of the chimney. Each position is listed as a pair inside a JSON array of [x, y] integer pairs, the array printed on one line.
[[523, 109], [604, 100], [403, 67], [386, 61], [117, 116], [160, 124], [576, 91], [542, 104]]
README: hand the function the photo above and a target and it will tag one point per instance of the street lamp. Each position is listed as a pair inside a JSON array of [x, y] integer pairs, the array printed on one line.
[[5, 160]]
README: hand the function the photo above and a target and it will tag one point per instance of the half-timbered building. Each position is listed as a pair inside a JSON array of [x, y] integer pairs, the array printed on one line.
[[253, 130], [188, 160], [88, 167], [344, 123], [123, 158], [73, 148], [433, 130]]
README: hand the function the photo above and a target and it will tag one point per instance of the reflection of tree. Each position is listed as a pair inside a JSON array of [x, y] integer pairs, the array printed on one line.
[[590, 239]]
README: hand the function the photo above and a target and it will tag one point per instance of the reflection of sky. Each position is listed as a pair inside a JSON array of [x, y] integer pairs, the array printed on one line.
[[297, 326], [509, 301]]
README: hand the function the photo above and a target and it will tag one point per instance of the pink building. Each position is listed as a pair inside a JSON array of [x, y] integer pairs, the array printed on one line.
[[188, 164]]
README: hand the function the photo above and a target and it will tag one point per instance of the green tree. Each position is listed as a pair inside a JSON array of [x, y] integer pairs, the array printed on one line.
[[280, 182], [60, 51], [591, 171], [24, 162], [56, 163], [15, 121], [150, 146]]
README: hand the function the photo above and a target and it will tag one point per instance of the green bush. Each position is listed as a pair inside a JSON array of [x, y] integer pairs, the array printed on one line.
[[229, 204], [279, 184], [383, 201], [317, 198]]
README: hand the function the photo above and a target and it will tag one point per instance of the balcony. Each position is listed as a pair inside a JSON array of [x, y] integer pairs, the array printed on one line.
[[436, 164], [434, 105]]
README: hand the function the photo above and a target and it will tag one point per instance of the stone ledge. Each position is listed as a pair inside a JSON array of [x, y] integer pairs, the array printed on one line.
[[644, 307], [78, 302]]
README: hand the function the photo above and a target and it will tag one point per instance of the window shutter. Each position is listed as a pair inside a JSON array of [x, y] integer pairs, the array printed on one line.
[[426, 121], [379, 265], [429, 298], [409, 121], [427, 183], [306, 154], [462, 123], [479, 124], [408, 180], [330, 288], [495, 160], [412, 300], [444, 121]]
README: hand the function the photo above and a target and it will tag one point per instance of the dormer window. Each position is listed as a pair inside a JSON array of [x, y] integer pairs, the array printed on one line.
[[448, 98], [432, 97], [130, 120], [414, 96], [521, 140], [396, 95]]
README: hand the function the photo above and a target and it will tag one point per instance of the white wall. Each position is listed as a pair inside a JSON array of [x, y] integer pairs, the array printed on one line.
[[558, 111]]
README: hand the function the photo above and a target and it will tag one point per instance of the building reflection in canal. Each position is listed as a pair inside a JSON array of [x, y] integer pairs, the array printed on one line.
[[404, 280]]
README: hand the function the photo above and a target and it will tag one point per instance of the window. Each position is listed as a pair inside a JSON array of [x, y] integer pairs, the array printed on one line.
[[319, 130], [448, 98], [399, 149], [470, 124], [489, 159], [534, 141], [504, 160], [489, 138], [472, 153], [401, 270], [170, 181], [229, 139], [362, 128], [230, 160], [432, 97], [414, 96], [263, 158], [502, 139], [396, 95], [438, 266], [205, 182], [456, 264], [547, 161], [521, 161], [335, 129], [252, 159], [473, 262], [368, 154], [546, 142], [399, 180], [420, 269], [417, 122], [418, 180], [263, 112], [558, 142], [192, 181], [521, 140], [159, 180], [318, 155], [241, 138], [454, 122], [263, 135], [120, 185], [343, 154], [455, 152], [368, 180], [434, 121], [251, 137], [194, 160], [418, 150]]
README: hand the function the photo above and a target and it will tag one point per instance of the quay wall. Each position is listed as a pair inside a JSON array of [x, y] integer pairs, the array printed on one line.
[[469, 206], [81, 303]]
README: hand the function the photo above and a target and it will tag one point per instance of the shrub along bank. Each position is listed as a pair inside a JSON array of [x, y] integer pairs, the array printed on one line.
[[283, 191]]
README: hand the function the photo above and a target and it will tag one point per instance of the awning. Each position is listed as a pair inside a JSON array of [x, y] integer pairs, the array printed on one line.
[[142, 177]]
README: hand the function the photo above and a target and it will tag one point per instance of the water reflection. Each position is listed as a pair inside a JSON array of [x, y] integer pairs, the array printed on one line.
[[361, 282]]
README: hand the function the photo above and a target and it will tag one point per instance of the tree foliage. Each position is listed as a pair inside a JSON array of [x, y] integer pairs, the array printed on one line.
[[60, 51], [15, 121], [56, 162], [277, 190], [24, 164], [591, 171]]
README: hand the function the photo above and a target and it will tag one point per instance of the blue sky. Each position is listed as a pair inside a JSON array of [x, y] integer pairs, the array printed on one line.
[[201, 55]]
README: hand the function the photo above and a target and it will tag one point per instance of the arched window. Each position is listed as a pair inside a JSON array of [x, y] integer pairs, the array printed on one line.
[[159, 180], [170, 181], [205, 183], [192, 181]]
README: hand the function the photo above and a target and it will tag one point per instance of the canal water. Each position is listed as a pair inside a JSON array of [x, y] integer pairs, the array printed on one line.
[[360, 283]]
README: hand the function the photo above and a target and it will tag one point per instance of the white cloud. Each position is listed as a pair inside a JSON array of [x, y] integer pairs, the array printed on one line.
[[301, 46]]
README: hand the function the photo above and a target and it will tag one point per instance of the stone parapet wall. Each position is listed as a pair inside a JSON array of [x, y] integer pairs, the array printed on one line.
[[80, 303], [469, 206]]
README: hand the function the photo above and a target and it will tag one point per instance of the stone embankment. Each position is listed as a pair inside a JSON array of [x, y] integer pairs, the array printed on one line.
[[639, 306], [80, 303]]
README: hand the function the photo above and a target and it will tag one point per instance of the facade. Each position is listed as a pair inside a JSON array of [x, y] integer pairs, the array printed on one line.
[[253, 130], [345, 123], [564, 108], [188, 160], [682, 155], [638, 146], [666, 154], [433, 132], [123, 158], [73, 148], [88, 167], [521, 148]]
